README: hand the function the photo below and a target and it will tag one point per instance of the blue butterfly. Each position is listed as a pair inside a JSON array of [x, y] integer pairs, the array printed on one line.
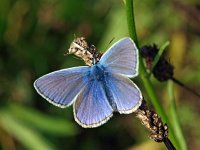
[[96, 91]]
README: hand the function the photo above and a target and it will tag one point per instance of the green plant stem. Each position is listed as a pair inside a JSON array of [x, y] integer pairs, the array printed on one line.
[[131, 21], [174, 117], [143, 75], [148, 86]]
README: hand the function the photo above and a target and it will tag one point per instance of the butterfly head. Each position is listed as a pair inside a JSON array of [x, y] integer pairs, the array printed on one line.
[[80, 48]]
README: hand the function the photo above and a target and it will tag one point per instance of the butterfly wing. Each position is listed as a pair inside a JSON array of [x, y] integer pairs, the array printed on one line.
[[61, 87], [125, 94], [122, 58], [91, 108]]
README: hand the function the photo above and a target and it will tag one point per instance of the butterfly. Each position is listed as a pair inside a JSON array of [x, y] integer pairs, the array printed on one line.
[[98, 90]]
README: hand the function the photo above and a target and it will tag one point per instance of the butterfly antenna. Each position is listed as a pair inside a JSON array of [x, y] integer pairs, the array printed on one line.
[[185, 87], [110, 42]]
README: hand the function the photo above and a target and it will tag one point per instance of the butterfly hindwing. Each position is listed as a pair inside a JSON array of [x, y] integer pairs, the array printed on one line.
[[62, 86], [125, 94], [122, 58], [91, 108]]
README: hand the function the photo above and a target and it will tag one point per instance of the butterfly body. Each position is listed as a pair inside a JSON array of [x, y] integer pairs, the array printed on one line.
[[98, 90], [98, 72], [102, 76]]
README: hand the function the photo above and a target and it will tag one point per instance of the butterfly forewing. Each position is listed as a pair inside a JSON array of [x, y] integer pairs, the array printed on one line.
[[61, 87], [122, 58], [91, 108]]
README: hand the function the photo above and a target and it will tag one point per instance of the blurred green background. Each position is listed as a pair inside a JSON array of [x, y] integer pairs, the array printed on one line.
[[34, 35]]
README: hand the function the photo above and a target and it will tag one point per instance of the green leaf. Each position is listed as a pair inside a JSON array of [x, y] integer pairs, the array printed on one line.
[[47, 124], [174, 118], [28, 137]]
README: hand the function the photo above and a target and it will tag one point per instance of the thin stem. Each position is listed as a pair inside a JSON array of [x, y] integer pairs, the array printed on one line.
[[174, 117], [146, 82], [169, 144], [185, 87]]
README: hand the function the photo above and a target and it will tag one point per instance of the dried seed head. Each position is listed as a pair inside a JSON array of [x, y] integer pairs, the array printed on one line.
[[163, 70], [80, 48], [152, 122]]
